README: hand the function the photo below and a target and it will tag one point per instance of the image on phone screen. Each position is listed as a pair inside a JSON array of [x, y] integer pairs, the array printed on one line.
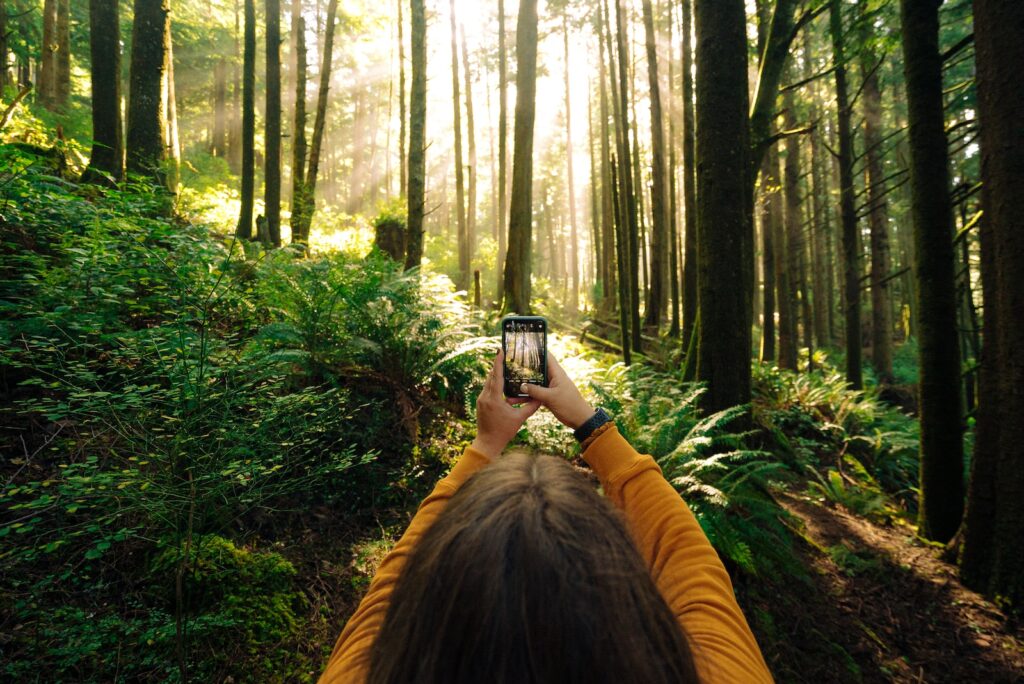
[[525, 352]]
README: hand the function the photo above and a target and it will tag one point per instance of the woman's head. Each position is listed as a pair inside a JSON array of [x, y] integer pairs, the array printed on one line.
[[528, 575]]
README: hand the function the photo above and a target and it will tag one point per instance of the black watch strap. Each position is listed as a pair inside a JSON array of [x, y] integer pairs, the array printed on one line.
[[599, 418]]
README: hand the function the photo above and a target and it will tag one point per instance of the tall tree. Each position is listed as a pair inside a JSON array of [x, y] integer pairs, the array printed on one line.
[[725, 260], [62, 67], [219, 142], [942, 490], [146, 125], [993, 550], [3, 45], [272, 124], [173, 140], [657, 293], [608, 192], [848, 214], [462, 282], [299, 127], [878, 215], [107, 156], [47, 80], [788, 244], [308, 198], [417, 134], [689, 183], [570, 180], [770, 212], [520, 229], [631, 213], [502, 150], [402, 121], [248, 143], [471, 187]]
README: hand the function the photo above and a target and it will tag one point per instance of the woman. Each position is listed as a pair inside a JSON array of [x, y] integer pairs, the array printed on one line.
[[515, 570]]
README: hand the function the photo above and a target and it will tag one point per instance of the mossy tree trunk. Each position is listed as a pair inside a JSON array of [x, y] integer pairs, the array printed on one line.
[[248, 142], [272, 124]]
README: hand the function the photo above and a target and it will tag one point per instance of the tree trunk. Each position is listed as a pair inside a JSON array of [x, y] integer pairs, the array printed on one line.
[[723, 220], [47, 81], [574, 265], [660, 245], [608, 190], [272, 124], [244, 229], [172, 142], [520, 229], [107, 156], [146, 125], [403, 130], [941, 500], [631, 215], [775, 47], [769, 203], [417, 133], [462, 282], [62, 67], [471, 237], [878, 217], [689, 184], [299, 129], [3, 45], [822, 302], [502, 151], [308, 203], [235, 131], [850, 241], [790, 245], [993, 552], [675, 326]]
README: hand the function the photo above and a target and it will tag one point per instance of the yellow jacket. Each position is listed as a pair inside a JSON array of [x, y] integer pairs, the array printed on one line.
[[685, 568]]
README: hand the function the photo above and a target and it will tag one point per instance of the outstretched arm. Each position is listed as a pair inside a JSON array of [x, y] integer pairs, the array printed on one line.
[[684, 566]]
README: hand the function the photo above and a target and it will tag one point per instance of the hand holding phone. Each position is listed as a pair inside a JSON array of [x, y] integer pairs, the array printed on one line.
[[524, 343]]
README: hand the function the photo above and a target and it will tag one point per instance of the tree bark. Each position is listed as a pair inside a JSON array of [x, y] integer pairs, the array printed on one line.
[[789, 246], [689, 184], [417, 133], [146, 125], [608, 191], [520, 229], [3, 45], [629, 191], [47, 81], [993, 551], [462, 282], [502, 150], [471, 236], [172, 142], [574, 264], [941, 499], [675, 326], [244, 229], [62, 82], [850, 238], [723, 220], [107, 156], [659, 200], [272, 123], [403, 130], [878, 217], [774, 55], [299, 128], [218, 144], [769, 204], [319, 124]]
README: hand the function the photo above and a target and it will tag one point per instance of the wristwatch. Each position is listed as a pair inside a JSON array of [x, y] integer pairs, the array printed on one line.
[[599, 418]]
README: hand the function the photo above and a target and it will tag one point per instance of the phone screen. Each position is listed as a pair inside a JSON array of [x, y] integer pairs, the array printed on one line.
[[525, 344]]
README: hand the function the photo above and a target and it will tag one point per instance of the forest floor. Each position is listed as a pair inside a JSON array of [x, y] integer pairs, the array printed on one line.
[[881, 607]]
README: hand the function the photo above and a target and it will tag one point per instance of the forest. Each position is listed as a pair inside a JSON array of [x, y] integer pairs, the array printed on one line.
[[254, 256]]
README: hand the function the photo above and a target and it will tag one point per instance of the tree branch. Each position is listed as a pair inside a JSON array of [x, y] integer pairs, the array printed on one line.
[[960, 45]]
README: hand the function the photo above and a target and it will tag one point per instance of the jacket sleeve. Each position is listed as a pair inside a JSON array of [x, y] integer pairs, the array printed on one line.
[[349, 662], [685, 567]]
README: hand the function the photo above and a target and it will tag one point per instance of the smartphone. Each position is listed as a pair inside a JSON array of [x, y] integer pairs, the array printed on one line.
[[524, 341]]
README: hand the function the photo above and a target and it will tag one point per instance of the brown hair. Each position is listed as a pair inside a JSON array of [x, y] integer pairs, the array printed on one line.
[[528, 575]]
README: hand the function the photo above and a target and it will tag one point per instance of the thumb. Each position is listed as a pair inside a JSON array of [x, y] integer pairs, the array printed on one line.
[[537, 392]]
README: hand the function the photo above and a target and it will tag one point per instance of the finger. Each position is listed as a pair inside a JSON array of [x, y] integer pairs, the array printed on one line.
[[554, 368], [536, 392]]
